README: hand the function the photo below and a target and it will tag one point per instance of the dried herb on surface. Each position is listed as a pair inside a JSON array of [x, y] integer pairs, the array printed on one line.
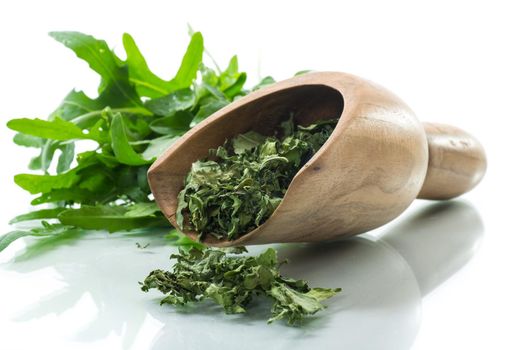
[[242, 182], [233, 281]]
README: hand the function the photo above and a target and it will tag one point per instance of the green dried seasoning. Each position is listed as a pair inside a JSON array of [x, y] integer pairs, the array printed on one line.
[[234, 281], [241, 183]]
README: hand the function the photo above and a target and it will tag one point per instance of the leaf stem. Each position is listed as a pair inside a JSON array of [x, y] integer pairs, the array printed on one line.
[[89, 115]]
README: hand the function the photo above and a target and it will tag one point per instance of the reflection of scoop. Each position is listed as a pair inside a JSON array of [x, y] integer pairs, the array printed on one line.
[[382, 279], [377, 161]]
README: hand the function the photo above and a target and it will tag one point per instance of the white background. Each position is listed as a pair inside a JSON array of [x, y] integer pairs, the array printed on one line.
[[458, 62]]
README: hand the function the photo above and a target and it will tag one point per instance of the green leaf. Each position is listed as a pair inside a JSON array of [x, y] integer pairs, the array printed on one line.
[[266, 81], [230, 75], [168, 105], [190, 63], [175, 124], [76, 103], [107, 218], [157, 146], [101, 59], [236, 88], [247, 141], [45, 183], [56, 129], [142, 209], [146, 83], [120, 143], [208, 109], [66, 157], [182, 241], [38, 214], [74, 194], [25, 140], [302, 72]]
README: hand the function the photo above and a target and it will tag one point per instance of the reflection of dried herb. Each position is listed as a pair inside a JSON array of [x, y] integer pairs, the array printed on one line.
[[243, 181], [233, 281]]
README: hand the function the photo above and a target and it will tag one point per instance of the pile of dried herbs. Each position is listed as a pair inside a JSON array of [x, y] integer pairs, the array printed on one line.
[[234, 281], [241, 183]]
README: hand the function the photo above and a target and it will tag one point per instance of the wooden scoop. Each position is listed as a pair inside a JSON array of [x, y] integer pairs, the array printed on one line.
[[376, 162]]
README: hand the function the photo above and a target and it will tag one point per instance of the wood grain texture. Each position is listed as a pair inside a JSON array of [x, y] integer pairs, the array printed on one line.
[[456, 163], [367, 173]]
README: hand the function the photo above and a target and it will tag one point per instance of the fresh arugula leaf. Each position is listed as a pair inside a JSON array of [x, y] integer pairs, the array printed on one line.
[[25, 140], [142, 209], [66, 157], [176, 124], [101, 59], [109, 218], [182, 241], [70, 195], [235, 90], [190, 63], [266, 81], [56, 129], [37, 215], [45, 183], [157, 146], [230, 74], [208, 109], [124, 152], [168, 105], [146, 83]]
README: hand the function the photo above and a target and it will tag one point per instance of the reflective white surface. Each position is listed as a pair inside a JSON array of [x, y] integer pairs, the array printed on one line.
[[96, 300], [441, 276]]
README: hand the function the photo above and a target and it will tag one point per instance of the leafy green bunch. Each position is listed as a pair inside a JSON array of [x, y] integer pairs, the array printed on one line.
[[234, 281], [134, 118], [242, 182]]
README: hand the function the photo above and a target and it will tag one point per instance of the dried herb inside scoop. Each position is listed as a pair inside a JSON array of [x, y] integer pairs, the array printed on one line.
[[241, 183]]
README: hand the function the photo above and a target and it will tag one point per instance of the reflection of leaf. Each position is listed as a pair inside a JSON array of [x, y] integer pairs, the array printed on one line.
[[107, 279], [47, 244], [49, 234]]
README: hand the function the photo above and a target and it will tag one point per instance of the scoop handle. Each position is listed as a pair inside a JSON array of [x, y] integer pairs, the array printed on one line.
[[456, 162]]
